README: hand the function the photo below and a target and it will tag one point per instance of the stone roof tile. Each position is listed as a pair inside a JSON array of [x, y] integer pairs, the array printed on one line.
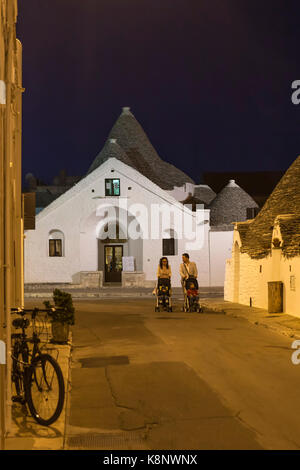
[[140, 154], [205, 193], [285, 199], [230, 205]]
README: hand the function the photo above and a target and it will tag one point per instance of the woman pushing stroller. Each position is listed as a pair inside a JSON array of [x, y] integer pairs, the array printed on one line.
[[163, 287]]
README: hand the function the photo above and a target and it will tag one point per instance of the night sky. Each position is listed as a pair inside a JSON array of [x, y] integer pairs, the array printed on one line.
[[209, 81]]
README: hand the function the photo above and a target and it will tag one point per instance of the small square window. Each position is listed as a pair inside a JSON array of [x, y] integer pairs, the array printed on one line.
[[112, 187], [252, 212]]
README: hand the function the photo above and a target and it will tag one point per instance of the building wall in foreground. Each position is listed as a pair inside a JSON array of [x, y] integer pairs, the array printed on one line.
[[254, 276], [220, 248]]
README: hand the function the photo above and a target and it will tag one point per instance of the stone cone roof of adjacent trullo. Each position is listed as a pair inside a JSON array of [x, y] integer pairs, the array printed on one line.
[[204, 193], [256, 236], [135, 149], [230, 205]]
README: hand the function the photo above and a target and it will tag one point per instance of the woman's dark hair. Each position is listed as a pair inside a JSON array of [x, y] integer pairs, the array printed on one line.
[[161, 262], [186, 255]]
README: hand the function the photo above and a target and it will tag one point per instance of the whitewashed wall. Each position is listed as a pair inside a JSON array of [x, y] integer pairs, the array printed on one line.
[[250, 280], [291, 293], [180, 193], [255, 275], [220, 250], [75, 214]]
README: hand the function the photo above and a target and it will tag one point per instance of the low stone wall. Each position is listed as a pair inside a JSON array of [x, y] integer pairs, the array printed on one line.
[[90, 279], [133, 279], [81, 280]]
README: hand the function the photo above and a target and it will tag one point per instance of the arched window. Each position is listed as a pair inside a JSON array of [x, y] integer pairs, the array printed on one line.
[[56, 243], [169, 244]]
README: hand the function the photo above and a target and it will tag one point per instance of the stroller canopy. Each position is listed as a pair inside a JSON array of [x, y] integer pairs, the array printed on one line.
[[190, 281]]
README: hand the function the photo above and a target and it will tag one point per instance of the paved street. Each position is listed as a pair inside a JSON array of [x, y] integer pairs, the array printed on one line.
[[146, 380]]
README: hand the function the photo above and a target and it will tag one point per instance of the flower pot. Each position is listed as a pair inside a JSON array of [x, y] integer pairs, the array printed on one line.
[[60, 332]]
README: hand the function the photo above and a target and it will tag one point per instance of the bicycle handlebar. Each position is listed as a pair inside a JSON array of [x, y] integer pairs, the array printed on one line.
[[34, 311]]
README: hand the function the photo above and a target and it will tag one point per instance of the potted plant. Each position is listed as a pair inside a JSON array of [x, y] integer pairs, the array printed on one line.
[[62, 316]]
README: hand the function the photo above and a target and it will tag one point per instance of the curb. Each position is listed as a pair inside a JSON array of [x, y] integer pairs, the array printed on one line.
[[209, 309], [87, 295], [253, 318], [90, 295]]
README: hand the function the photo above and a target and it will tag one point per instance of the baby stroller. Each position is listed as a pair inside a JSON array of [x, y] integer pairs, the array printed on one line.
[[191, 296], [163, 295]]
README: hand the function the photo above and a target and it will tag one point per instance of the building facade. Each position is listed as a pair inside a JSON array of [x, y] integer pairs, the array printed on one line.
[[130, 209], [267, 249]]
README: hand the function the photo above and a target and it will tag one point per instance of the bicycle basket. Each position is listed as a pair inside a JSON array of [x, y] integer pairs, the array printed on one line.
[[41, 326]]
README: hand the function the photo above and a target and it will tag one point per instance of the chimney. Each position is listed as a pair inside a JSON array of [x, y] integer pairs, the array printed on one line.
[[232, 184]]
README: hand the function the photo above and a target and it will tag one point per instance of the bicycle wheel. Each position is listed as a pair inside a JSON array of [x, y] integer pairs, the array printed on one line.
[[45, 389]]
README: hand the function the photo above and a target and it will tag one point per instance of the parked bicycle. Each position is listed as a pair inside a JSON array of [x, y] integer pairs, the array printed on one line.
[[36, 375]]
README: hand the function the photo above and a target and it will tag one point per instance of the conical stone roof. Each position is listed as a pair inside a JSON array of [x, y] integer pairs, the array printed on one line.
[[230, 205], [141, 155], [111, 149], [285, 199], [205, 193]]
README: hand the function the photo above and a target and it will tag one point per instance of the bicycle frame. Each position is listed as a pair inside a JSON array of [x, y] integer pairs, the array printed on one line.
[[20, 347]]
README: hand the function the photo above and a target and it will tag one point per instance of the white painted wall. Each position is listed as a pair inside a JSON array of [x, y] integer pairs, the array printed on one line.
[[180, 193], [75, 213], [220, 250], [255, 275]]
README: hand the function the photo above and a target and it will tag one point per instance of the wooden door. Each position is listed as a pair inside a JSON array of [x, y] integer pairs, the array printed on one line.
[[113, 263]]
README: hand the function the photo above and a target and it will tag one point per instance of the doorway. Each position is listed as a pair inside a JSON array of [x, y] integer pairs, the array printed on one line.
[[113, 263]]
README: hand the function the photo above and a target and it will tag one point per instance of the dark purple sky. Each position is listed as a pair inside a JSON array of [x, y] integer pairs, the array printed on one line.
[[209, 81]]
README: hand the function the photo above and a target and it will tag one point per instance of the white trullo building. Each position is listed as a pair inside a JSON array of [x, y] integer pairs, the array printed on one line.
[[267, 250], [129, 210]]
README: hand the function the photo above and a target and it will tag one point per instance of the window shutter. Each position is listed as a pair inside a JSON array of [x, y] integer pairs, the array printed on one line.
[[51, 247], [58, 248], [116, 187], [29, 210]]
